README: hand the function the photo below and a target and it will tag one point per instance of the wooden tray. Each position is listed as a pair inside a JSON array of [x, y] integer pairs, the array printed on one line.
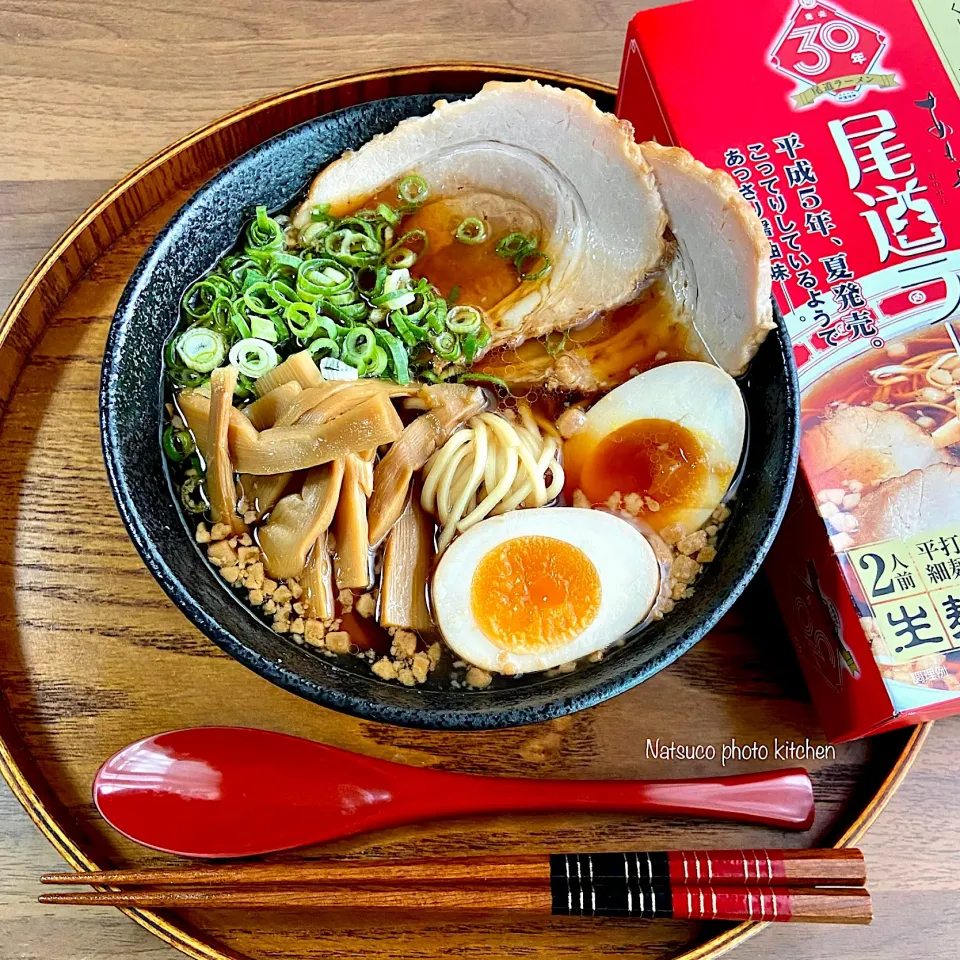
[[92, 655]]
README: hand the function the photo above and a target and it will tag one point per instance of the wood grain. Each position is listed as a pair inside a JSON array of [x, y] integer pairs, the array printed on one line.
[[91, 653]]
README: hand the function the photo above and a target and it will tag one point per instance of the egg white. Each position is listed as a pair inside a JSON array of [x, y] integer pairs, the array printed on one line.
[[626, 565], [700, 397]]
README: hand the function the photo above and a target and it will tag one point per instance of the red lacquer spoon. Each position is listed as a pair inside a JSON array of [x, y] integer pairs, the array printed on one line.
[[215, 792]]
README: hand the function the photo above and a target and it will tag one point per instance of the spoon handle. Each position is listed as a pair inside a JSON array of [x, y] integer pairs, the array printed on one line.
[[780, 798]]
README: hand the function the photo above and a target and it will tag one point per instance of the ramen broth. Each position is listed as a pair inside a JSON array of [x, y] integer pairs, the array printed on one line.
[[546, 377]]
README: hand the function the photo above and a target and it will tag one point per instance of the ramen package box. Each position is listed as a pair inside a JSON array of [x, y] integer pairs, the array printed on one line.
[[840, 122]]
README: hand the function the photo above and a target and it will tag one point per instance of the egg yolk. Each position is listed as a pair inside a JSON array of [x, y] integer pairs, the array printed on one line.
[[534, 593], [659, 459]]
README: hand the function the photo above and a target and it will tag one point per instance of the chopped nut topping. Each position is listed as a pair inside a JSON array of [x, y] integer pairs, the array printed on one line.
[[580, 499], [722, 513], [247, 555], [338, 641], [220, 531], [477, 678], [571, 422], [269, 606], [313, 632], [231, 574], [221, 554], [282, 594], [404, 644], [366, 606], [255, 597], [684, 569], [673, 533], [706, 554], [692, 542], [297, 626], [253, 576], [385, 669], [203, 533], [421, 667]]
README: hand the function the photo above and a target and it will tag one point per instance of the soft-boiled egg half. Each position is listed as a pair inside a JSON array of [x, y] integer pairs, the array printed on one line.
[[672, 435], [535, 588]]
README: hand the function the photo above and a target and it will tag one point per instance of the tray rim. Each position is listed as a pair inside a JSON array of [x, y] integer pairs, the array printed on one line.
[[16, 767]]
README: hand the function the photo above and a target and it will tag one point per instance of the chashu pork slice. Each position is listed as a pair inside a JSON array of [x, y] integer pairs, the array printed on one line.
[[546, 161], [918, 502], [721, 272]]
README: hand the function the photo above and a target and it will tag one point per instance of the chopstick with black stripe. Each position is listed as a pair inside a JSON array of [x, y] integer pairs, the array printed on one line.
[[785, 885]]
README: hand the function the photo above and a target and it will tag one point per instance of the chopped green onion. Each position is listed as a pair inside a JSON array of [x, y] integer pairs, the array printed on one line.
[[177, 444], [453, 296], [324, 347], [464, 320], [413, 189], [400, 257], [191, 495], [535, 270], [484, 378], [264, 233], [352, 248], [389, 214], [240, 323], [313, 234], [375, 364], [552, 347], [358, 346], [201, 349], [446, 346], [253, 357], [516, 244], [398, 356], [472, 230], [264, 329]]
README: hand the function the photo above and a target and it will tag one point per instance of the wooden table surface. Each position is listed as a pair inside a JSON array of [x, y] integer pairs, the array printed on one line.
[[89, 88]]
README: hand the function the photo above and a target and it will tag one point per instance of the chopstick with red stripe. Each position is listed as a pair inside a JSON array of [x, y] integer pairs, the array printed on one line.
[[796, 868], [779, 885]]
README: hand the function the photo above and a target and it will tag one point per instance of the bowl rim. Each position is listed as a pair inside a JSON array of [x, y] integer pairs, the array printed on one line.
[[471, 716]]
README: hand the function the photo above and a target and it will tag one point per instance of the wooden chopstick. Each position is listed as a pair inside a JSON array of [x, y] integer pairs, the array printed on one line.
[[796, 868], [600, 898]]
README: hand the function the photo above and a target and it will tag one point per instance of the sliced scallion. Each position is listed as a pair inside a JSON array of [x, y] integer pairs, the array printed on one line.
[[472, 230], [464, 320], [358, 346], [253, 357], [191, 495], [515, 244], [177, 444], [201, 349], [413, 189]]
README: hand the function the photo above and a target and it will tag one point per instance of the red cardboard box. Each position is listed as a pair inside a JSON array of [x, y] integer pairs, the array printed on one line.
[[840, 122]]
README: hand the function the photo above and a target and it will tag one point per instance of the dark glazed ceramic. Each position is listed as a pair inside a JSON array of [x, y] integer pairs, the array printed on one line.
[[130, 409]]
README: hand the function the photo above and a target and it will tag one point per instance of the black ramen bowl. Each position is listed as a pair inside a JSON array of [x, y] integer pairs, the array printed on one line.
[[131, 399]]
